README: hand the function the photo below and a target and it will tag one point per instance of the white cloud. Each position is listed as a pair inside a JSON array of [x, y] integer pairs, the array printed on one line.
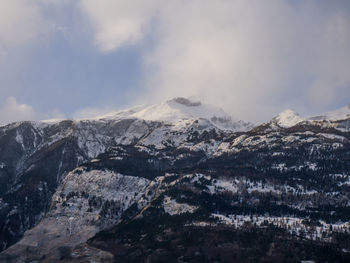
[[24, 22], [12, 111], [21, 22], [119, 23], [250, 57]]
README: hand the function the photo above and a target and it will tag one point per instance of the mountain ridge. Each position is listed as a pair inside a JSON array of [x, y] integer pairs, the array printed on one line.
[[294, 177], [179, 109]]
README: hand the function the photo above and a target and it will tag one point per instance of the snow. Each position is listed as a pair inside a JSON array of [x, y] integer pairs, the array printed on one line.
[[280, 166], [19, 139], [53, 121], [308, 140], [312, 166], [105, 184], [174, 208], [210, 148], [339, 114], [292, 224], [346, 177], [236, 185], [178, 109], [287, 118], [308, 133], [173, 111], [332, 136], [290, 138], [85, 203], [223, 185]]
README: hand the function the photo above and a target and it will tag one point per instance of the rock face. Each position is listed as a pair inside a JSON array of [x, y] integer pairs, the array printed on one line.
[[131, 190], [85, 203]]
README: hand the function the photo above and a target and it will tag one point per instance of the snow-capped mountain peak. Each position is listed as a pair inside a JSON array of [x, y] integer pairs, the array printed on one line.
[[287, 118], [179, 109], [339, 114]]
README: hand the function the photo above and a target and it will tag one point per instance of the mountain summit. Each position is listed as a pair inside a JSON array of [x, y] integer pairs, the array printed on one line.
[[180, 109], [287, 118], [338, 114]]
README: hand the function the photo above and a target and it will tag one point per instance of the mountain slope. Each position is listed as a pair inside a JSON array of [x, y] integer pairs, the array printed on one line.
[[151, 181], [36, 156], [339, 114], [257, 178]]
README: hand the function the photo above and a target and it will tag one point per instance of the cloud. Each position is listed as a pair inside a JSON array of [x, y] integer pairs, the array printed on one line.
[[21, 22], [250, 57], [12, 111], [119, 23], [24, 22]]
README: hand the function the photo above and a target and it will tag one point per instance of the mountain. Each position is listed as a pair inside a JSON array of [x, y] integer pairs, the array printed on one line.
[[339, 114], [36, 156], [180, 110], [178, 182], [287, 118]]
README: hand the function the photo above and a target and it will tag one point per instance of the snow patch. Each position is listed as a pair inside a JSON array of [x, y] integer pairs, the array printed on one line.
[[332, 136], [292, 224], [174, 208], [19, 139]]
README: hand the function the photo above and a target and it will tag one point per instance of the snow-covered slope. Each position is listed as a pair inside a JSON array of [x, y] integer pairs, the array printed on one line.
[[177, 110], [287, 118], [338, 118], [339, 114], [85, 203]]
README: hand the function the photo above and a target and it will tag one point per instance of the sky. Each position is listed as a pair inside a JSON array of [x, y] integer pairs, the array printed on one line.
[[82, 58]]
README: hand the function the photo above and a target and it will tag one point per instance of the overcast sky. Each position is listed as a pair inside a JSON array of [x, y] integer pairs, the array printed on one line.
[[253, 58]]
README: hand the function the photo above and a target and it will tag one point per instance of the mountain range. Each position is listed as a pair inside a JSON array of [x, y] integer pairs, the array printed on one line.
[[179, 181]]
